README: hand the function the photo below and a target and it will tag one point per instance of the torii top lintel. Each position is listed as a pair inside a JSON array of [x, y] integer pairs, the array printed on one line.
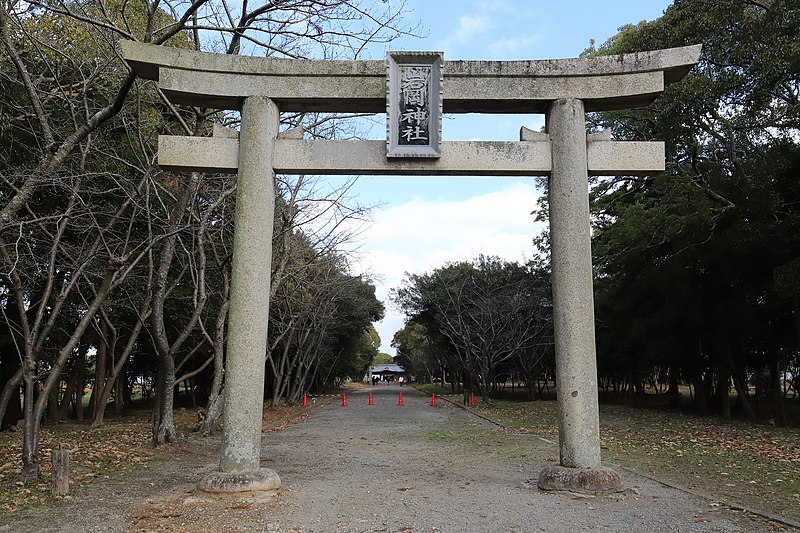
[[224, 81]]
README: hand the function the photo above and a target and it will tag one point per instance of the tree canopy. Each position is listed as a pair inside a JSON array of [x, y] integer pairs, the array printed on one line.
[[690, 263]]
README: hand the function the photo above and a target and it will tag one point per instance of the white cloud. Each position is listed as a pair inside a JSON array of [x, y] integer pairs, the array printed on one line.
[[469, 28], [523, 47], [422, 235], [493, 30]]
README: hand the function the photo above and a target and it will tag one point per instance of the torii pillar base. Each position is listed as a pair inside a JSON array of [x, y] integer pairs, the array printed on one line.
[[599, 480], [259, 485]]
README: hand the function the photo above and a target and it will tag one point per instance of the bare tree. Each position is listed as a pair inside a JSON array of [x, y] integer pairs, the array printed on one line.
[[488, 310], [90, 211]]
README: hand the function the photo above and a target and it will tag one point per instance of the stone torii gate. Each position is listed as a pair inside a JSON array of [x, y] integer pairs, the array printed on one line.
[[564, 90]]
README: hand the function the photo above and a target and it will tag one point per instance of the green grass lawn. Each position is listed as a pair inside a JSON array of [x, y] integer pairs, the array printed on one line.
[[755, 465]]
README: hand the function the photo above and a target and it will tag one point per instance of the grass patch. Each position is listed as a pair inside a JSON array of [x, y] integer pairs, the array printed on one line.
[[119, 447], [755, 465]]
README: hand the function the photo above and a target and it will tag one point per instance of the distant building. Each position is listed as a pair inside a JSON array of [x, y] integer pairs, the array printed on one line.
[[387, 373]]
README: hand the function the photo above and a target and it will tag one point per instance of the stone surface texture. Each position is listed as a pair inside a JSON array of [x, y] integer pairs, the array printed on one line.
[[250, 288], [465, 158], [582, 480], [223, 81], [625, 158], [198, 154], [531, 157], [261, 483], [573, 299]]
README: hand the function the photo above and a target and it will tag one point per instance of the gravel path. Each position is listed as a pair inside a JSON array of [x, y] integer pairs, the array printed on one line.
[[388, 468]]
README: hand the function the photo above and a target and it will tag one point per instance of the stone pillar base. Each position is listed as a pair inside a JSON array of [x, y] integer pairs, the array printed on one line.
[[257, 485], [582, 480]]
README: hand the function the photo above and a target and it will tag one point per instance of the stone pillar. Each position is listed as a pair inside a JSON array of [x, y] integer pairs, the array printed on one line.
[[573, 303], [248, 315]]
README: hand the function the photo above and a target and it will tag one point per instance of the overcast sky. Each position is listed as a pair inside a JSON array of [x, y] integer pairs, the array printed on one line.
[[424, 222]]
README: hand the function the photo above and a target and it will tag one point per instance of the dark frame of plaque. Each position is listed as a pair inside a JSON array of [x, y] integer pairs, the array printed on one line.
[[414, 104]]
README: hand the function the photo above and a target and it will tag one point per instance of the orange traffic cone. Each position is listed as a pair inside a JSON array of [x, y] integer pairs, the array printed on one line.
[[370, 399], [305, 400], [400, 401], [433, 400], [344, 400], [472, 399]]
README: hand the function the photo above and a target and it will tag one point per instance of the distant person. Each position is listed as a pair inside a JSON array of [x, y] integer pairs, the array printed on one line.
[[400, 379]]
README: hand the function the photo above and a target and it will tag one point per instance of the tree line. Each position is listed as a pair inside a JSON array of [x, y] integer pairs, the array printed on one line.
[[697, 269], [117, 274]]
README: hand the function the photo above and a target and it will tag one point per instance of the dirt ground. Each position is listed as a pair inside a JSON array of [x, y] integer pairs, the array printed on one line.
[[385, 468]]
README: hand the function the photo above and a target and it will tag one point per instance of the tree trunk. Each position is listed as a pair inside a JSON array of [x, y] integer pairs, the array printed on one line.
[[74, 384], [723, 386], [739, 382], [68, 398], [700, 400], [115, 381], [99, 371], [758, 383], [80, 380], [30, 431], [9, 417], [673, 392], [120, 385], [302, 381], [775, 378], [486, 386], [279, 370], [52, 404], [209, 425], [163, 421]]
